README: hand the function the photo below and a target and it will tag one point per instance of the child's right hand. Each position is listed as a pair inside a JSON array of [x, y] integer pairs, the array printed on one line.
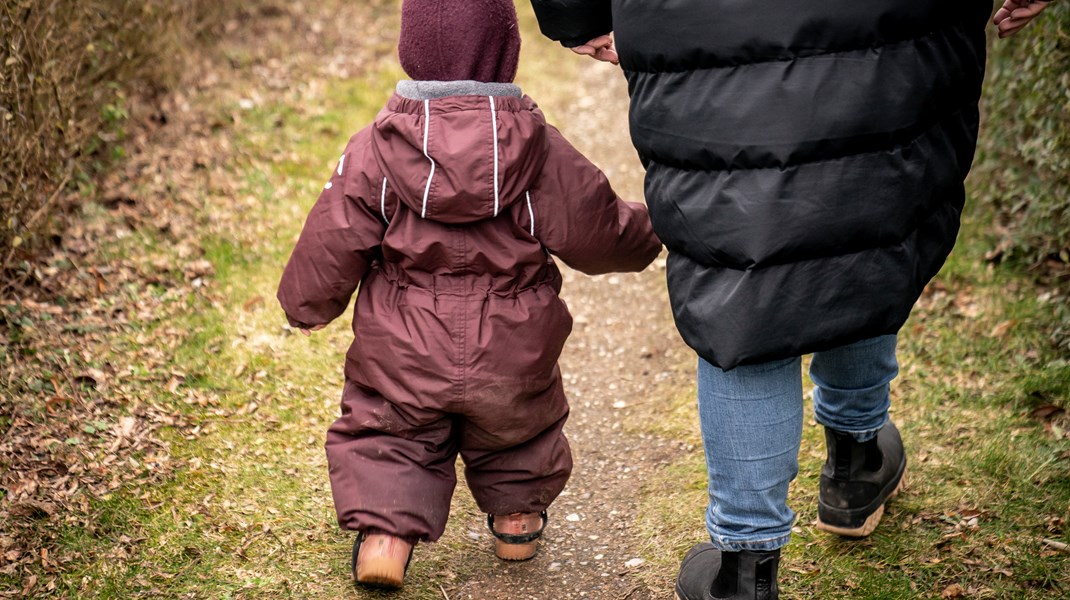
[[308, 332]]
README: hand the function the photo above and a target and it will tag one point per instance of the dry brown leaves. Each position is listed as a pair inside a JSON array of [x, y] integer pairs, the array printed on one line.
[[87, 384], [86, 363], [1055, 419]]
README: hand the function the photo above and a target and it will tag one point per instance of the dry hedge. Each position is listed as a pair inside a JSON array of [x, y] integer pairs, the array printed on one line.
[[65, 69], [1025, 147]]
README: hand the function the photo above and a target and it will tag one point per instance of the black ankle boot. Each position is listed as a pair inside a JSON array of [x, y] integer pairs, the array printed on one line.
[[857, 479], [707, 573]]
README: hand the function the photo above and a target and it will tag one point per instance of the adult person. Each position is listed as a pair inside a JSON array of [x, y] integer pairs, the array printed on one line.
[[805, 163]]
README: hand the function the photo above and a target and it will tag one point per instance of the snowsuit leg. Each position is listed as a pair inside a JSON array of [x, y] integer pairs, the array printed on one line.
[[392, 466], [515, 453]]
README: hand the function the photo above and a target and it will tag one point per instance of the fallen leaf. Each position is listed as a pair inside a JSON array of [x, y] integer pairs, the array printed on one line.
[[91, 378], [56, 401], [126, 426], [28, 585], [199, 268], [1000, 331], [1047, 411], [953, 591], [33, 509]]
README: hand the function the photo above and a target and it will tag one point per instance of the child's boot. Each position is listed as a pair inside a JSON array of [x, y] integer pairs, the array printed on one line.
[[707, 573], [516, 534], [380, 559], [857, 479]]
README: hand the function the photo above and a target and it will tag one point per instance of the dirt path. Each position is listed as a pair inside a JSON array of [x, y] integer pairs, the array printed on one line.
[[624, 352]]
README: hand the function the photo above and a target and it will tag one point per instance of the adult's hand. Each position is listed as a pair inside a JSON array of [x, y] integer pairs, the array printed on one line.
[[600, 48], [1016, 14], [308, 332]]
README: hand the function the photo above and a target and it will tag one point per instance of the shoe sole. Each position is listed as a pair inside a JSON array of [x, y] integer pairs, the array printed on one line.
[[871, 521], [381, 572], [514, 551]]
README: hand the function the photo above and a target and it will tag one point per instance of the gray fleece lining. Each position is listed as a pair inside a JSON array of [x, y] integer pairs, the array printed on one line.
[[430, 90]]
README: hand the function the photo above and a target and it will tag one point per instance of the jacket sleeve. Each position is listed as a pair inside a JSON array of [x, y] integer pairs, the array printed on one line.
[[573, 22], [581, 220], [341, 237]]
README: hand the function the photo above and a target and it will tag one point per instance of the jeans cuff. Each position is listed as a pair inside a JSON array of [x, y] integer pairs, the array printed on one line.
[[763, 545], [860, 435]]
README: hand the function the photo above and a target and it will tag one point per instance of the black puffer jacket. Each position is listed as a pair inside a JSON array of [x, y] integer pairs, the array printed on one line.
[[805, 158]]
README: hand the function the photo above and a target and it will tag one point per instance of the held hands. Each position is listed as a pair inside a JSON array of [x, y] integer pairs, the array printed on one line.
[[308, 332], [602, 48], [1016, 14]]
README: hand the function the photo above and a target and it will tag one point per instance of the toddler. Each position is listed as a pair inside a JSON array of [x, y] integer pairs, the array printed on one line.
[[445, 211]]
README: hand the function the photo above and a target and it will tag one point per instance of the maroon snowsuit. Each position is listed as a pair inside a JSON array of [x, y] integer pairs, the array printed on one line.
[[446, 212]]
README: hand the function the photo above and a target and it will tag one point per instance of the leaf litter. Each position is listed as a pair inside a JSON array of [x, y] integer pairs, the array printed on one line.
[[89, 399]]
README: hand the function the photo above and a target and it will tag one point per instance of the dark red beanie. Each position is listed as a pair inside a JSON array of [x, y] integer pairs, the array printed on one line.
[[453, 40]]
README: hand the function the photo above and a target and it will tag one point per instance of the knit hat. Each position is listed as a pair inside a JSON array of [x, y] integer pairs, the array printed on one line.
[[453, 40]]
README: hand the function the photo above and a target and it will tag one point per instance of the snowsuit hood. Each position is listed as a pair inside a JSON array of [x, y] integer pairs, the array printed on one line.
[[474, 174]]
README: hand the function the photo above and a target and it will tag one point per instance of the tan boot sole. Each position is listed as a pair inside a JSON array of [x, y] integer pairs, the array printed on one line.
[[514, 551], [381, 571], [871, 522]]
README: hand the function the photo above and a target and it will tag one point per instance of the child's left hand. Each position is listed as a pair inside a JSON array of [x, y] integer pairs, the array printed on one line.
[[600, 48], [308, 332]]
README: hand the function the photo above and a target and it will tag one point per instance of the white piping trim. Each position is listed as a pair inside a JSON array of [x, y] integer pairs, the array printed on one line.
[[427, 126], [494, 120], [382, 202], [341, 161], [531, 213]]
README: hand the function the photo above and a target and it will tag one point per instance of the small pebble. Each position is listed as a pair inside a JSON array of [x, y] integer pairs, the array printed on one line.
[[635, 562], [572, 518], [556, 566]]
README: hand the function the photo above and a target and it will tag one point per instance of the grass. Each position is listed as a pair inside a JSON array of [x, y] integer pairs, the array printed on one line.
[[250, 515], [988, 481]]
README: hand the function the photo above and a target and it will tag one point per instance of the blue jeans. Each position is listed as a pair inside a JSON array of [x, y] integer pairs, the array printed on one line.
[[751, 421]]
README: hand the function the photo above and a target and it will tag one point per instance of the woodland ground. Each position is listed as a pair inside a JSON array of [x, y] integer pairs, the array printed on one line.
[[163, 429]]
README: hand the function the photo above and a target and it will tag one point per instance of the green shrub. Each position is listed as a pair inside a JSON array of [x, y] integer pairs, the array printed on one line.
[[1024, 154], [1022, 175], [66, 68]]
